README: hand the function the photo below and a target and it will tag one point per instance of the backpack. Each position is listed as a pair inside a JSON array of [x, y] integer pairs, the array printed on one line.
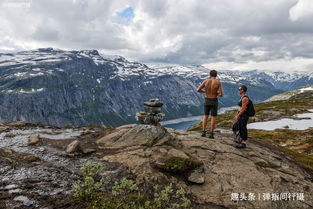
[[250, 109]]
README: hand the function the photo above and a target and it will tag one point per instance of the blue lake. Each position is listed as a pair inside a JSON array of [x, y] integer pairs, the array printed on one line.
[[184, 123]]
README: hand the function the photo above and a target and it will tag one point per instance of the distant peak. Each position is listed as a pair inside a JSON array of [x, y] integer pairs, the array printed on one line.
[[114, 57], [91, 52], [49, 49]]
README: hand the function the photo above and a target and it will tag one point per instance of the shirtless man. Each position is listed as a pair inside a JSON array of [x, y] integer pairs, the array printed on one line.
[[212, 88]]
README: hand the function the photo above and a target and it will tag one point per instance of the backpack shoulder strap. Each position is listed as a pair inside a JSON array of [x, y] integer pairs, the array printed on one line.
[[245, 96]]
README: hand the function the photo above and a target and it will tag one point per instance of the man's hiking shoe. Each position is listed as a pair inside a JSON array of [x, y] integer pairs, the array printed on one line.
[[203, 134], [241, 145], [211, 136], [238, 140]]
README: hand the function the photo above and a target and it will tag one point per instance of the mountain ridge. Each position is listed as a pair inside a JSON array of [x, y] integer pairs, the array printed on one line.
[[59, 87]]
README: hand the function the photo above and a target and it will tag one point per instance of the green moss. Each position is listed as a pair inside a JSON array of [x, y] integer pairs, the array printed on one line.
[[177, 164], [40, 124], [303, 138], [109, 201], [68, 126], [195, 127], [275, 137], [222, 121], [125, 194], [304, 160], [291, 137], [95, 127]]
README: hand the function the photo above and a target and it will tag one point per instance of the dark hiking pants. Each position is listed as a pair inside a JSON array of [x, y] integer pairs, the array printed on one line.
[[242, 125]]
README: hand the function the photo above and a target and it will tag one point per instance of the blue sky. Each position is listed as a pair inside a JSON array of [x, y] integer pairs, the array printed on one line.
[[127, 13]]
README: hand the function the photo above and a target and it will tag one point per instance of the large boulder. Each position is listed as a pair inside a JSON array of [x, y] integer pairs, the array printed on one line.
[[197, 176], [33, 139], [177, 153], [111, 138], [73, 147], [6, 150], [138, 135]]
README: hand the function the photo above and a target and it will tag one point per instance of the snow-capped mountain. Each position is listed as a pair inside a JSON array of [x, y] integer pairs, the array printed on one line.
[[289, 94], [282, 80], [60, 87]]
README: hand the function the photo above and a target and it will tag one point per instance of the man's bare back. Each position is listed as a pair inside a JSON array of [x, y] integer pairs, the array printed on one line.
[[212, 88]]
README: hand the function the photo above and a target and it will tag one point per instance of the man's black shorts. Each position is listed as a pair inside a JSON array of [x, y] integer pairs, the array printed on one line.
[[210, 106]]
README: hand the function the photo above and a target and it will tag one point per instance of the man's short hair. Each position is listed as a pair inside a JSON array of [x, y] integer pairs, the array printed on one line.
[[244, 88], [213, 73]]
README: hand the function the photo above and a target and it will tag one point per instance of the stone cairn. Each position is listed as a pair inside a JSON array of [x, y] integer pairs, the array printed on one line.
[[152, 114]]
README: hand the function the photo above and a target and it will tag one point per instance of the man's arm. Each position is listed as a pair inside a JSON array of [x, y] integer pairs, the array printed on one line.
[[220, 90], [245, 102], [200, 88]]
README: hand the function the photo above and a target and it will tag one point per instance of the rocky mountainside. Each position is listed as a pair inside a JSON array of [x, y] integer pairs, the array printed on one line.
[[304, 91], [60, 87], [284, 81], [39, 165]]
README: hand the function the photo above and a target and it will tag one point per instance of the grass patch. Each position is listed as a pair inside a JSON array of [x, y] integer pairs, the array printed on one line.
[[223, 121], [297, 144], [179, 165], [297, 140], [125, 194], [304, 160], [68, 126]]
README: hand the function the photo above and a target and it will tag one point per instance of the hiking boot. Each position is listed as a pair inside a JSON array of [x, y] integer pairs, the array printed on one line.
[[203, 134], [238, 139], [241, 145], [211, 136]]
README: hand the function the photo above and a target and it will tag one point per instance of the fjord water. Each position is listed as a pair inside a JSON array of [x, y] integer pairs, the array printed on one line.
[[185, 123]]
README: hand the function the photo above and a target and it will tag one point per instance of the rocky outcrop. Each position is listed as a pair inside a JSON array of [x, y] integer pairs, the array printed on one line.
[[72, 147], [197, 176], [288, 95], [223, 170], [212, 171], [33, 139], [138, 135]]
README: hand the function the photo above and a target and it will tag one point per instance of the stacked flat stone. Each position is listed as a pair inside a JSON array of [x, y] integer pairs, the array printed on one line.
[[152, 114]]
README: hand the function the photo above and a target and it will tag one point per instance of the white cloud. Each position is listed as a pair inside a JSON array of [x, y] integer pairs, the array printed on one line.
[[302, 9], [283, 65], [172, 31]]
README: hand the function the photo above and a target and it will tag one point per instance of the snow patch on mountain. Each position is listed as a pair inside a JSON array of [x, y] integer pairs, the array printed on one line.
[[23, 91], [302, 90], [97, 88], [126, 70], [289, 94]]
